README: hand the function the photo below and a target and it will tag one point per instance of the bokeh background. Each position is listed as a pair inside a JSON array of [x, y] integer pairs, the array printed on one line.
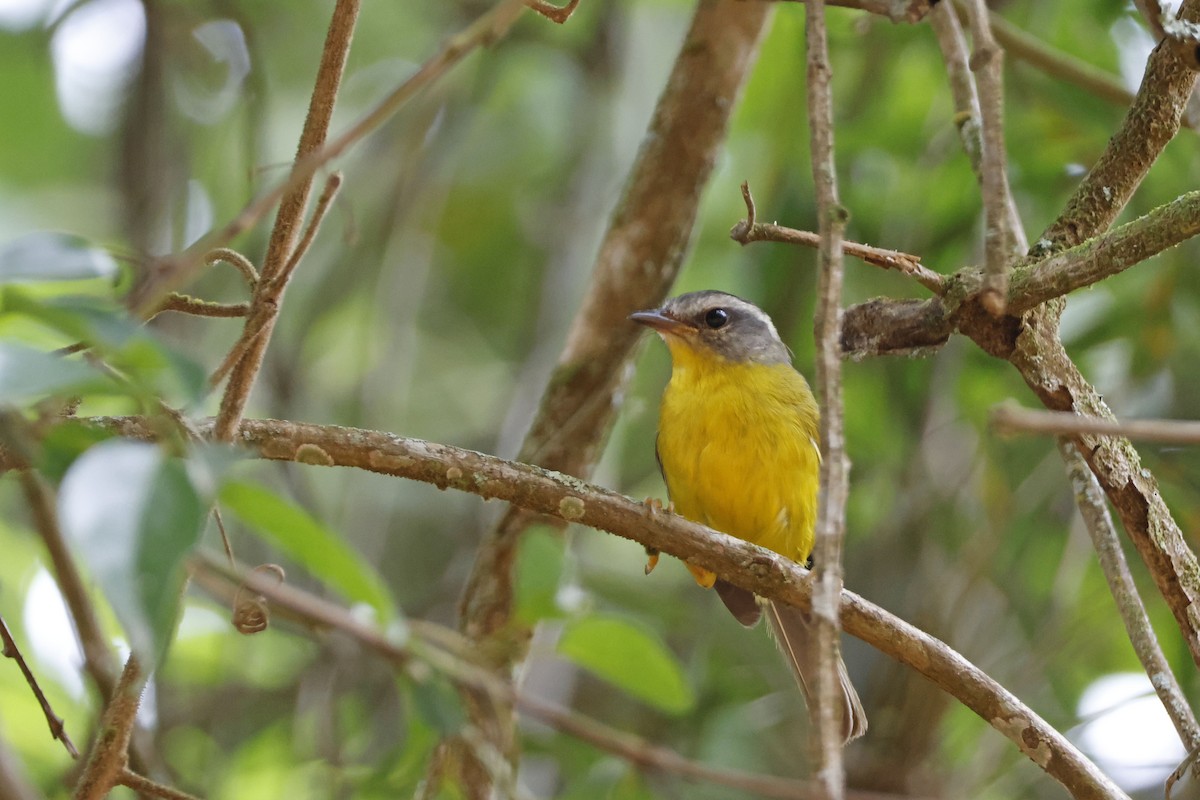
[[434, 303]]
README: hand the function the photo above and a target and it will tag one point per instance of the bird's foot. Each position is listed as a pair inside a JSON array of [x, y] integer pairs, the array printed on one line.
[[654, 506]]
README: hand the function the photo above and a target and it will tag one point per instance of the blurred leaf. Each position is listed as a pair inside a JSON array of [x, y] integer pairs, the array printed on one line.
[[64, 443], [629, 656], [310, 544], [98, 321], [438, 705], [539, 569], [134, 515], [53, 256], [27, 375], [153, 368]]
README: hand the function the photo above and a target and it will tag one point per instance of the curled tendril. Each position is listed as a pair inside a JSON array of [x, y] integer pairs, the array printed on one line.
[[250, 612]]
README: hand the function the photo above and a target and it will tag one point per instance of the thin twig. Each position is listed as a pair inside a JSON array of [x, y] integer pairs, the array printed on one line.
[[1179, 771], [226, 255], [57, 729], [454, 655], [148, 788], [1000, 242], [98, 659], [1100, 528], [835, 465], [552, 12], [110, 750], [287, 243], [177, 271], [748, 230], [332, 184], [1021, 45], [1013, 419], [186, 304], [953, 44]]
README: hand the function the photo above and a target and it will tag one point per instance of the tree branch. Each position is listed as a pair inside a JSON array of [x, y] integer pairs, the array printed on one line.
[[106, 763], [57, 729], [1012, 419], [175, 272], [882, 327], [1003, 236], [749, 230], [762, 571], [455, 656], [283, 252], [835, 464], [1100, 528]]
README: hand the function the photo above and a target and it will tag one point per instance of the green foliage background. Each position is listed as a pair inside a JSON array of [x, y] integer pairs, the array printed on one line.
[[433, 305]]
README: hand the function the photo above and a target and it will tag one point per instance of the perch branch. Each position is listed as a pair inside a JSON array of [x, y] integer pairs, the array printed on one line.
[[764, 572]]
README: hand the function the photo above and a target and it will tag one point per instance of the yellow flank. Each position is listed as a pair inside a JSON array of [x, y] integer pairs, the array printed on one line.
[[738, 446]]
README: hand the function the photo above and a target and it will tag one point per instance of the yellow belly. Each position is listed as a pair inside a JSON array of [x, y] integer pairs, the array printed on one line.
[[737, 443]]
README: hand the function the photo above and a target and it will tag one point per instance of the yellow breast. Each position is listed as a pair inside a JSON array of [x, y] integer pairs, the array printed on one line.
[[737, 443]]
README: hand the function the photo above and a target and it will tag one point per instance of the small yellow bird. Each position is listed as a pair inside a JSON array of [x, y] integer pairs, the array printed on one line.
[[737, 446]]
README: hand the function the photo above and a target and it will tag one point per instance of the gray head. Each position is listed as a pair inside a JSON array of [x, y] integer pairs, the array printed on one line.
[[719, 322]]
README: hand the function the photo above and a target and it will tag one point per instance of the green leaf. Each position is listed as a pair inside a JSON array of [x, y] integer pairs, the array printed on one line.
[[64, 443], [28, 374], [539, 568], [134, 515], [630, 657], [309, 543], [153, 368], [438, 705], [98, 321], [53, 256]]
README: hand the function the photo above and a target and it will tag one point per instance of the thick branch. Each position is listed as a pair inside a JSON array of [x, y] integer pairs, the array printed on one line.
[[880, 327], [1152, 121], [638, 260]]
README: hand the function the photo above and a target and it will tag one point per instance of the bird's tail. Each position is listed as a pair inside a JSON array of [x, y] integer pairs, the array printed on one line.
[[794, 633]]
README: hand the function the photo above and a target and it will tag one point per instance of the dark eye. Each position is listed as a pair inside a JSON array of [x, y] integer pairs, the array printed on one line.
[[716, 318]]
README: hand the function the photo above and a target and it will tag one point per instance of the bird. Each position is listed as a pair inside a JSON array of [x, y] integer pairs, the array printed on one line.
[[737, 448]]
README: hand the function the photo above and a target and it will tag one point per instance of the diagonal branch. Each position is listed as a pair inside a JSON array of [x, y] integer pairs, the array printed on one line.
[[1099, 525], [283, 251], [762, 571], [9, 649]]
